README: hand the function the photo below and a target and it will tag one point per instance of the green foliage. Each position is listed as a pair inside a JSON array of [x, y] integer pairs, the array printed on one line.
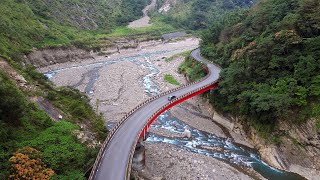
[[155, 30], [61, 150], [78, 175], [318, 125], [276, 140], [45, 23], [199, 14], [89, 14], [168, 59], [170, 79], [270, 58], [22, 123], [18, 27], [36, 77], [71, 102], [76, 104], [35, 120], [21, 30], [19, 120], [264, 130], [183, 54], [7, 146], [315, 86], [13, 103], [28, 24], [193, 69]]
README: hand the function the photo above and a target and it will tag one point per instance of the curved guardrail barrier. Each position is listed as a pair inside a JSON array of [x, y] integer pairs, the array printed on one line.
[[156, 115], [126, 117]]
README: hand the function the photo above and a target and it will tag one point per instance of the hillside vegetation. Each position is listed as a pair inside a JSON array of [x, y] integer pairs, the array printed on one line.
[[31, 143], [25, 24], [200, 14], [271, 62], [89, 14], [23, 124]]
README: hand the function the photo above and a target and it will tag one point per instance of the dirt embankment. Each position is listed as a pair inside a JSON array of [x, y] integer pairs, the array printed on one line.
[[46, 57], [51, 56], [15, 76]]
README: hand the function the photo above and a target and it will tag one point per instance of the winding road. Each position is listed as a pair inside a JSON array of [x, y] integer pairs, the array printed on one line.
[[115, 156]]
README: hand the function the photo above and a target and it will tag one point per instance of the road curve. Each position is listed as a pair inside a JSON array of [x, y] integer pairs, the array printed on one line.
[[115, 156]]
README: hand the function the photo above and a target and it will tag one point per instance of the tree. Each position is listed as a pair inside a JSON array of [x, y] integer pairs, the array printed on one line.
[[27, 164]]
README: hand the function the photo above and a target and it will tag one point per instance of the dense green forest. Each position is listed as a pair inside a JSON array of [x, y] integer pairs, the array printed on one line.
[[200, 14], [270, 56]]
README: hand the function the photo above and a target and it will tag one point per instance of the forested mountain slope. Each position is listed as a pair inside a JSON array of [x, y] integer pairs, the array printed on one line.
[[25, 24], [270, 56], [199, 14], [89, 14]]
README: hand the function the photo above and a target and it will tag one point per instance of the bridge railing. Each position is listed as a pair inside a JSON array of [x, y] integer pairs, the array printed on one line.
[[116, 127], [155, 114]]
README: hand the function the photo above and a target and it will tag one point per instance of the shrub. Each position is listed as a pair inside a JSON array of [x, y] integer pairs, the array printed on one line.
[[193, 69], [27, 164], [170, 79], [61, 150], [77, 104]]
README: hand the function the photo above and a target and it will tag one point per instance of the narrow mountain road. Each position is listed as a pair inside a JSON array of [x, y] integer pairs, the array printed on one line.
[[114, 159]]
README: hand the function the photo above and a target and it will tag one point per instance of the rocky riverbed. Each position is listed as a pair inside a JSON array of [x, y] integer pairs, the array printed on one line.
[[169, 162], [118, 82]]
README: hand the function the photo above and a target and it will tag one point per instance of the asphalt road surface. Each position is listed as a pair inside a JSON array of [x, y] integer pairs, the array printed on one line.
[[116, 157]]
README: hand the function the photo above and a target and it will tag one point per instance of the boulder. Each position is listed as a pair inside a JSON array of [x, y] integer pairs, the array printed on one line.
[[187, 133]]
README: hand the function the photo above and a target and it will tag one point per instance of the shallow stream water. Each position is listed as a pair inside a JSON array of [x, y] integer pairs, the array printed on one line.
[[237, 155]]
